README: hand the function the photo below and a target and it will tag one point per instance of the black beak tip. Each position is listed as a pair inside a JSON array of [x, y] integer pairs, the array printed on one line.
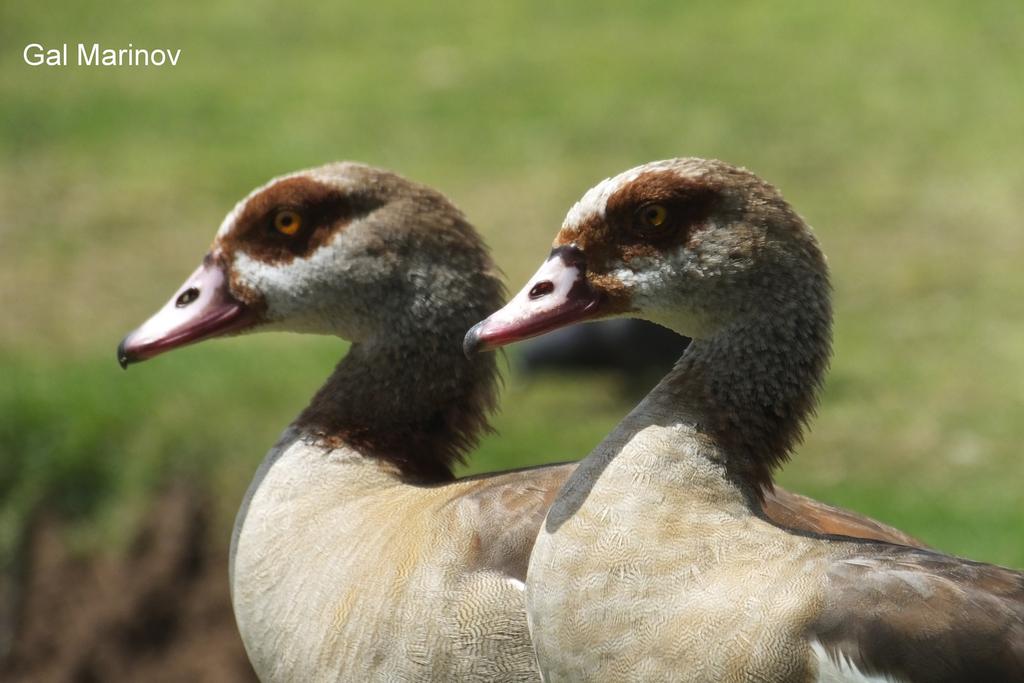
[[471, 343], [122, 355]]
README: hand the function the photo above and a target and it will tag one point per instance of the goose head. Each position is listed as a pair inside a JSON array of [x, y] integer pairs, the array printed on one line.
[[343, 249], [698, 246]]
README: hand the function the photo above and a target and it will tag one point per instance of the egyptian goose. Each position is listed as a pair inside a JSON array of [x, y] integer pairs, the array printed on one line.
[[656, 560], [356, 553]]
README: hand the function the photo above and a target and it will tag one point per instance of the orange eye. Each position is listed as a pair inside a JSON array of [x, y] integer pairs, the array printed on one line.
[[653, 215], [287, 222]]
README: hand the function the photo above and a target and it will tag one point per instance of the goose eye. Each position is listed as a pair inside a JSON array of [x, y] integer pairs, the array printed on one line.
[[287, 222], [653, 215]]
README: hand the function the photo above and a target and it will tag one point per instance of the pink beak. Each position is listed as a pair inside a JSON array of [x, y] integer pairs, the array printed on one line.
[[202, 308], [557, 295]]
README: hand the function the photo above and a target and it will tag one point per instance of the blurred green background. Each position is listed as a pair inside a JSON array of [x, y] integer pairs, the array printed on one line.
[[898, 133]]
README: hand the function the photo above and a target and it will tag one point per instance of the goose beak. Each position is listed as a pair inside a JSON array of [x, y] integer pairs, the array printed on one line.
[[202, 308], [557, 295]]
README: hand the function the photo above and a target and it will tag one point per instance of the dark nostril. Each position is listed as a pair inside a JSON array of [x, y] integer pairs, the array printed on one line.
[[542, 288], [187, 297]]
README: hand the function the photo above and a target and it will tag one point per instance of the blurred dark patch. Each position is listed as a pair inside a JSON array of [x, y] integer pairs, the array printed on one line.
[[637, 351], [160, 611]]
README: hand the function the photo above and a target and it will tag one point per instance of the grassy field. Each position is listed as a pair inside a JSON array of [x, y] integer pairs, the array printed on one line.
[[898, 135]]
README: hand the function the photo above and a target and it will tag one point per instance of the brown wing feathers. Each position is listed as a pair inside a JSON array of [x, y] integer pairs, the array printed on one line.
[[920, 616]]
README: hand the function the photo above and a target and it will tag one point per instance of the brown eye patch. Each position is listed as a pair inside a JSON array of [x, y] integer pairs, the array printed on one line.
[[659, 207], [293, 218], [657, 210]]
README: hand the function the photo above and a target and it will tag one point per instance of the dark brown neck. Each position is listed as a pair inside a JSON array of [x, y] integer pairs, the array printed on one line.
[[418, 407], [756, 385]]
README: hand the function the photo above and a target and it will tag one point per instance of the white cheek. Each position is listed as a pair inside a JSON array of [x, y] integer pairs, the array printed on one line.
[[656, 290], [293, 291], [319, 293], [654, 277], [280, 285]]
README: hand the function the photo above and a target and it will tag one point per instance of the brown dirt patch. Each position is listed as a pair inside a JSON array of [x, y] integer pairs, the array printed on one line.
[[159, 612]]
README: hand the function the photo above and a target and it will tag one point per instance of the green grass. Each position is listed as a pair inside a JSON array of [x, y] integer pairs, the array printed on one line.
[[896, 133]]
